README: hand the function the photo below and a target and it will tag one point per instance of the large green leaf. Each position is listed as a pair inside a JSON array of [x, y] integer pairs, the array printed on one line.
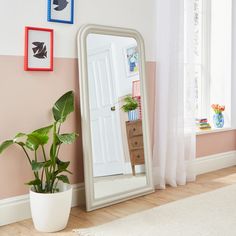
[[63, 178], [5, 145], [52, 155], [35, 139], [36, 166], [47, 163], [31, 145], [20, 139], [34, 182], [19, 135], [44, 130], [21, 144], [67, 138], [63, 107], [62, 164]]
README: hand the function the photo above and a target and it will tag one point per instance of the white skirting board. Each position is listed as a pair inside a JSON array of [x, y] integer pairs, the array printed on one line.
[[17, 208], [138, 168], [211, 163]]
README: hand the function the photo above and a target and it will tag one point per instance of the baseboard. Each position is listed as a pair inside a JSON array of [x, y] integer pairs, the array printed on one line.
[[138, 168], [78, 197], [14, 209], [211, 163], [18, 208]]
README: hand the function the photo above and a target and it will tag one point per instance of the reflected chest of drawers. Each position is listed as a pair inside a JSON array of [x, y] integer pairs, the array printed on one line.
[[135, 142]]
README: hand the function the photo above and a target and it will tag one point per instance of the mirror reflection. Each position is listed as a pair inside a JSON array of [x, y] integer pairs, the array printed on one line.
[[115, 114]]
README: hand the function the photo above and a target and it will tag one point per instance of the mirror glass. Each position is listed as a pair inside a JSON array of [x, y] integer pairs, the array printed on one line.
[[115, 107]]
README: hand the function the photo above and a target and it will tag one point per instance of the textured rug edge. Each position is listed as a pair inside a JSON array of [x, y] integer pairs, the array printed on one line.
[[85, 232]]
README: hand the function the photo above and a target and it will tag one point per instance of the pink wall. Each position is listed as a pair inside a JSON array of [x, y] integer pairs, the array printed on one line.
[[26, 99], [209, 144]]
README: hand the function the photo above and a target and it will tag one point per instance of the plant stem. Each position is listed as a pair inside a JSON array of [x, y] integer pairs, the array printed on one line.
[[44, 154], [54, 145], [35, 156], [27, 155], [42, 179], [45, 169], [36, 172], [59, 128], [58, 150], [53, 181]]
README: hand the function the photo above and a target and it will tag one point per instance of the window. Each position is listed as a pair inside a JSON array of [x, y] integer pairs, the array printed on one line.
[[208, 45]]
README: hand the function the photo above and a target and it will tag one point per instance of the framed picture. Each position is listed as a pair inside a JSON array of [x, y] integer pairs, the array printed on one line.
[[61, 11], [38, 49], [132, 60]]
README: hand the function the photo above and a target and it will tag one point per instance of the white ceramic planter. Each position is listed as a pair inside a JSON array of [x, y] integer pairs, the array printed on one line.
[[50, 212]]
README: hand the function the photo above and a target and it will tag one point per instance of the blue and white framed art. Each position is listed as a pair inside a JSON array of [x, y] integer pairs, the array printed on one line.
[[61, 11], [132, 60]]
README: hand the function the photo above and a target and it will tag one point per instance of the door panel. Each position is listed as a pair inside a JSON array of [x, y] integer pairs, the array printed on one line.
[[107, 143]]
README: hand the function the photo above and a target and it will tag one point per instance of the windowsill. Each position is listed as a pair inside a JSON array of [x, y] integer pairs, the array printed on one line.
[[213, 130]]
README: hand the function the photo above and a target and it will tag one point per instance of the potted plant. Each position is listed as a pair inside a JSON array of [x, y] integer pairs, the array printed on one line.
[[131, 106], [50, 192]]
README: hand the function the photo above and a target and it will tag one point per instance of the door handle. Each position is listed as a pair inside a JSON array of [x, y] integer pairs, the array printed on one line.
[[113, 108]]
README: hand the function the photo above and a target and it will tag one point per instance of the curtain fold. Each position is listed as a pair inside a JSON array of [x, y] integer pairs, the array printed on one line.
[[174, 131]]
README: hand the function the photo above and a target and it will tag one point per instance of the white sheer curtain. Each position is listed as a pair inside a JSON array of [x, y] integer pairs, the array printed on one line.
[[174, 134]]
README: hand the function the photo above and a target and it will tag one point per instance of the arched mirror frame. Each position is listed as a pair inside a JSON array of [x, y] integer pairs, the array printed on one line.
[[91, 202]]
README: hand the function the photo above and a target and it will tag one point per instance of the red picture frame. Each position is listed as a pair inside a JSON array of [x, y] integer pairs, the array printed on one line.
[[38, 54]]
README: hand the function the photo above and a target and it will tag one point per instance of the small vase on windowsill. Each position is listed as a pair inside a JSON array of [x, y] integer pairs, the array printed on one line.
[[218, 118]]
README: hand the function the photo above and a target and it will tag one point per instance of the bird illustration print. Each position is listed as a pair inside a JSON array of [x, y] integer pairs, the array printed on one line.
[[61, 4], [40, 50]]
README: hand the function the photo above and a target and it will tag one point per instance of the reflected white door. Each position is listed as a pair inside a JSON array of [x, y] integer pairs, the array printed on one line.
[[108, 157]]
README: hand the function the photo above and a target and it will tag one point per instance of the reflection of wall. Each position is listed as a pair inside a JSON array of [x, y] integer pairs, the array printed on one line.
[[119, 45]]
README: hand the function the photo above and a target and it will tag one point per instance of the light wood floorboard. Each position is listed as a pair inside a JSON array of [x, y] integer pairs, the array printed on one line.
[[80, 218]]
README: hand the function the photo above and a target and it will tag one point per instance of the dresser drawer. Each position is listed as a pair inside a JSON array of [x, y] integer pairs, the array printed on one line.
[[135, 142], [134, 129], [137, 156]]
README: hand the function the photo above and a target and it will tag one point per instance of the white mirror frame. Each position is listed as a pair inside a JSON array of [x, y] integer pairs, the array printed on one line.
[[91, 203]]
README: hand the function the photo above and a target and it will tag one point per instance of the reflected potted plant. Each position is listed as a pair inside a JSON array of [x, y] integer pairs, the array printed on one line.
[[218, 118], [50, 191], [131, 106]]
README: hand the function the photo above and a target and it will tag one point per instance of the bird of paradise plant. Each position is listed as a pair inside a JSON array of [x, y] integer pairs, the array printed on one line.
[[49, 171]]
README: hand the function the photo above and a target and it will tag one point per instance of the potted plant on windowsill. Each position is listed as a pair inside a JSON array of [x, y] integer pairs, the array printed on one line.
[[130, 106], [50, 191]]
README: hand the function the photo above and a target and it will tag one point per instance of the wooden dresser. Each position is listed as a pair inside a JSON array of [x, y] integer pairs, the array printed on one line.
[[135, 141]]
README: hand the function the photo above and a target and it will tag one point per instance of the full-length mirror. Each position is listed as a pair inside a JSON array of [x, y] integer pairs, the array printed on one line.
[[114, 115]]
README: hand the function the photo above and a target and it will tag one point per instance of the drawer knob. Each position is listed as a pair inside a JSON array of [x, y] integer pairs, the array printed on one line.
[[136, 143], [134, 129], [113, 108], [138, 156]]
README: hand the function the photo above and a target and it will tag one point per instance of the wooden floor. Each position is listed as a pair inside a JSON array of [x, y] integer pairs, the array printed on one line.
[[80, 218]]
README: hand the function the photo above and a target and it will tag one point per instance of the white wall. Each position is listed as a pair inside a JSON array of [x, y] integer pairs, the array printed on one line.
[[17, 14]]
